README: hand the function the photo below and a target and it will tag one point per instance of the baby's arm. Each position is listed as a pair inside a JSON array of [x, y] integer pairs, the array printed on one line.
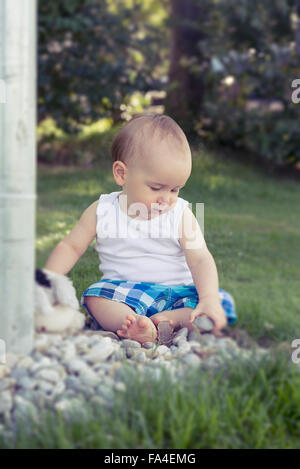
[[203, 269], [73, 246]]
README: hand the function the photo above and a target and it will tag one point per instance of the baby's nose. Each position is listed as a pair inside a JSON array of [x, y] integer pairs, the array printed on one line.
[[164, 201]]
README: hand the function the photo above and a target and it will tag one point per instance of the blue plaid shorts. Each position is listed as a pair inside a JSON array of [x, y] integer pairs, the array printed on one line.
[[147, 298]]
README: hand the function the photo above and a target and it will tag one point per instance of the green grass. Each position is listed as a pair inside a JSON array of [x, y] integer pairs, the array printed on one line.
[[252, 228], [243, 405]]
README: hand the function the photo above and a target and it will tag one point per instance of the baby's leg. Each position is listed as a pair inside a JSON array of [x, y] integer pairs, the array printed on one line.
[[178, 318], [120, 318]]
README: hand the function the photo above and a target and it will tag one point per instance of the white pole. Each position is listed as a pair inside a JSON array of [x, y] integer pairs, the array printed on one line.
[[17, 172]]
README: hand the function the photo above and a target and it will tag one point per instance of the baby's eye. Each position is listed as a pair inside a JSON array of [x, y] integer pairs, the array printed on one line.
[[158, 189]]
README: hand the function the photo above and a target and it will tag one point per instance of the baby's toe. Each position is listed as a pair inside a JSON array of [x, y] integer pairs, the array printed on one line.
[[143, 323], [130, 318]]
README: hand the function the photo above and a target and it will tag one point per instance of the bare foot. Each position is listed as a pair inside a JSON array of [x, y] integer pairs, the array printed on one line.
[[139, 328]]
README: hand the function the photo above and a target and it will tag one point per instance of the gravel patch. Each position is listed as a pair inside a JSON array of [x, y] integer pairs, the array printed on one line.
[[62, 370]]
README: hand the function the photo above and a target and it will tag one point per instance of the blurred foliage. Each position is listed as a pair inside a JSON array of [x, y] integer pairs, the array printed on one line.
[[99, 58], [91, 144], [93, 54], [249, 62]]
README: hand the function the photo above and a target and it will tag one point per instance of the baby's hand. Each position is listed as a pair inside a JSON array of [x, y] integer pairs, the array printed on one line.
[[213, 310]]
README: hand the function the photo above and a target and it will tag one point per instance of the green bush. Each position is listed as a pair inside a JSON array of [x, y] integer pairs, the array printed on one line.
[[248, 104]]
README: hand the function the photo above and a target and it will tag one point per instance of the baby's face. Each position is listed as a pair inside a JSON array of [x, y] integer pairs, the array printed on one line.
[[156, 179]]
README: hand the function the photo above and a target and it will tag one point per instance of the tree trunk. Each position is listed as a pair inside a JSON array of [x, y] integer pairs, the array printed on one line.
[[185, 96], [17, 173]]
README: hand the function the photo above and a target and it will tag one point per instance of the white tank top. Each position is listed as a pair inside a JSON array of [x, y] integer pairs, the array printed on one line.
[[140, 250]]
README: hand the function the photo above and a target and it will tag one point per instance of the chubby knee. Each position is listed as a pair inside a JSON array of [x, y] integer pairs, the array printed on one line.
[[96, 301]]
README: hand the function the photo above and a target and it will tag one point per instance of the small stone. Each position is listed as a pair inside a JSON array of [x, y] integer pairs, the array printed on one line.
[[81, 339], [55, 339], [119, 386], [194, 336], [83, 349], [208, 339], [24, 409], [89, 377], [105, 390], [18, 373], [151, 353], [165, 333], [168, 355], [182, 332], [69, 407], [4, 371], [120, 354], [183, 348], [43, 363], [100, 352], [195, 346], [74, 383], [180, 336], [141, 356], [191, 359], [11, 360], [48, 374], [162, 349], [6, 402], [26, 382], [41, 342], [59, 388], [206, 352], [46, 386], [132, 352], [26, 362], [180, 339], [76, 365], [148, 345], [203, 323], [7, 383], [130, 343], [68, 351], [97, 401]]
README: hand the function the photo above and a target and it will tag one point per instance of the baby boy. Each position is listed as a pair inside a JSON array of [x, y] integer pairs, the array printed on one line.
[[168, 275]]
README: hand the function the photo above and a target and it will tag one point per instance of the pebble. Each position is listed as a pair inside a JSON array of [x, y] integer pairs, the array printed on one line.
[[204, 323], [130, 343], [64, 370], [6, 401], [191, 359], [101, 351], [162, 349], [75, 365]]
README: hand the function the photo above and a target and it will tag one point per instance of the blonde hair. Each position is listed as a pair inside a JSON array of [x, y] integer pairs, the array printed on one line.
[[130, 141]]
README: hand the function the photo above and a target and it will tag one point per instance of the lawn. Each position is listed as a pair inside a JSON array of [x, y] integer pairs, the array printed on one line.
[[252, 228]]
